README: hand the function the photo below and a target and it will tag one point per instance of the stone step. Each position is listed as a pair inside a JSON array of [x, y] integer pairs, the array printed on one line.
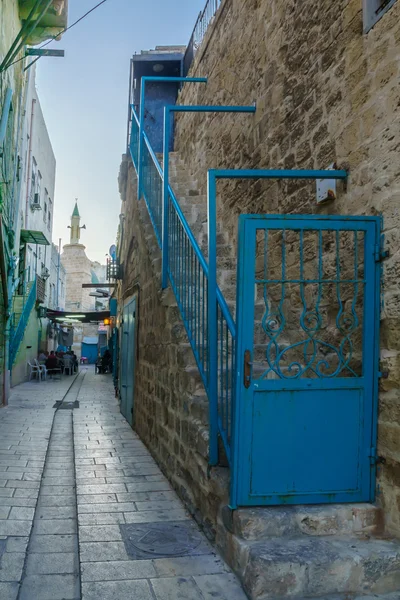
[[394, 596], [282, 521], [315, 567]]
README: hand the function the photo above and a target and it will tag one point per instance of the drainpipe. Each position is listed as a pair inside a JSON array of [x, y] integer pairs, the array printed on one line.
[[28, 172], [58, 272], [3, 265], [14, 209], [4, 115]]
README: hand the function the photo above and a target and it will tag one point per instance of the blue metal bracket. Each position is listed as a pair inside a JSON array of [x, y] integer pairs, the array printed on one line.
[[144, 80]]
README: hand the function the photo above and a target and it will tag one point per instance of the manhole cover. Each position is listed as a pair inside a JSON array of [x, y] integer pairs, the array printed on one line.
[[163, 540], [66, 405]]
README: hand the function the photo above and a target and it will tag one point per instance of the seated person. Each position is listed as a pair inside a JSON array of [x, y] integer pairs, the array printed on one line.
[[99, 365], [75, 360], [106, 361], [52, 363], [43, 356]]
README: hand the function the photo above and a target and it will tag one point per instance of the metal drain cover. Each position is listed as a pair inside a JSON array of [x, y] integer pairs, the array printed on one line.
[[163, 540], [66, 405]]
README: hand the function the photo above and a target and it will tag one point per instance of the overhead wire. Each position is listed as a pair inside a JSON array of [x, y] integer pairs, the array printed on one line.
[[61, 32]]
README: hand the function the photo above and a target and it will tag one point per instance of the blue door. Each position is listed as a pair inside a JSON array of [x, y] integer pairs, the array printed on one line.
[[89, 351], [128, 353], [307, 360]]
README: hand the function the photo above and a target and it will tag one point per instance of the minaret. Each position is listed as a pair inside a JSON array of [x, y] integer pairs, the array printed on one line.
[[75, 226]]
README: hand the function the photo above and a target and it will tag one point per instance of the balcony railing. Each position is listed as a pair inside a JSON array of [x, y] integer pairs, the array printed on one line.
[[200, 29], [40, 289], [114, 270]]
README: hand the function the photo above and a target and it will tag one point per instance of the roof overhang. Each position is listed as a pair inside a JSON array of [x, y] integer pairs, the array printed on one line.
[[88, 317], [28, 236], [51, 24]]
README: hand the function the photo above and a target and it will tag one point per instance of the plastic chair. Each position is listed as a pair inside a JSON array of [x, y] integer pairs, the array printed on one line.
[[42, 369], [68, 366], [34, 369]]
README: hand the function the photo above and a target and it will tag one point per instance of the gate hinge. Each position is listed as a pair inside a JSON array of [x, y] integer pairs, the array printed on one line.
[[383, 374], [380, 254]]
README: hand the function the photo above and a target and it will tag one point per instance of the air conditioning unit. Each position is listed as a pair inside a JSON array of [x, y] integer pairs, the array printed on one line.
[[35, 202], [45, 273]]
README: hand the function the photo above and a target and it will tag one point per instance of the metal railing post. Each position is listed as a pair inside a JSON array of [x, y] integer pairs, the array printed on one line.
[[144, 80], [165, 232], [212, 316]]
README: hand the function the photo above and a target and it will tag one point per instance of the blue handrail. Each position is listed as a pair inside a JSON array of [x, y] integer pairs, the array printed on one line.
[[188, 273], [18, 335]]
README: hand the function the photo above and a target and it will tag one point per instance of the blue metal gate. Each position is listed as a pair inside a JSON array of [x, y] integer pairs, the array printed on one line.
[[128, 353], [307, 360]]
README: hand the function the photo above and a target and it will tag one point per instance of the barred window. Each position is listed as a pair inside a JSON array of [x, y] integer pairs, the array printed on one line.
[[374, 10]]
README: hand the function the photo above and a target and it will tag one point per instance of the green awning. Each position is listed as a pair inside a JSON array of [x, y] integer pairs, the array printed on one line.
[[28, 236]]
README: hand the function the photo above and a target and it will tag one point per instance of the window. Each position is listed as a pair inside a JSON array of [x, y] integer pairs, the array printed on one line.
[[49, 215], [33, 179], [46, 196], [39, 186], [374, 10]]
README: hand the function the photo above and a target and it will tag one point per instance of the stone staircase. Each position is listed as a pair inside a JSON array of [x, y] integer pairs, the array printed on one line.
[[325, 552], [332, 552]]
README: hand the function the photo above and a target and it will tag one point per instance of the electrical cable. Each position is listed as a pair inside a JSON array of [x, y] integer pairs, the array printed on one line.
[[61, 32]]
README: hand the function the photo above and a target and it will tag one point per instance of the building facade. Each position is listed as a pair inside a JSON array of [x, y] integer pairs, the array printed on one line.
[[325, 82], [33, 230], [57, 280], [22, 23]]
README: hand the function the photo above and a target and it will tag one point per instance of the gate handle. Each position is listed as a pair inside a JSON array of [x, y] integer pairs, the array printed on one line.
[[247, 369]]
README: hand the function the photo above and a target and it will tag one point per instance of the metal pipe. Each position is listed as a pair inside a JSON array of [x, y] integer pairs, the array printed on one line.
[[58, 272], [144, 80], [25, 26], [129, 106], [27, 34], [278, 174], [28, 171], [4, 115], [17, 163]]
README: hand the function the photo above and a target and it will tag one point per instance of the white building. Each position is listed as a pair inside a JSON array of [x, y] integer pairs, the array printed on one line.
[[36, 200], [57, 281]]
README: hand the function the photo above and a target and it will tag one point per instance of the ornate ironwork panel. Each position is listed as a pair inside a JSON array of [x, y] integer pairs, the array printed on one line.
[[310, 289]]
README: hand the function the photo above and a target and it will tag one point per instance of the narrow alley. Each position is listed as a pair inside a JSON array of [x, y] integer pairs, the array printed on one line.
[[86, 513]]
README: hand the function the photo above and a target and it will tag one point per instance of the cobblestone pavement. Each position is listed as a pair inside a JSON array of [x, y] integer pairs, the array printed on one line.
[[85, 513]]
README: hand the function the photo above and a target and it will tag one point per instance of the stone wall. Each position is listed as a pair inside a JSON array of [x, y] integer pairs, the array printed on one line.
[[78, 270], [325, 92], [170, 408]]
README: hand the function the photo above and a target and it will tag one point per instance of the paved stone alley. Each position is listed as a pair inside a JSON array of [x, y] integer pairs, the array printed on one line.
[[85, 513]]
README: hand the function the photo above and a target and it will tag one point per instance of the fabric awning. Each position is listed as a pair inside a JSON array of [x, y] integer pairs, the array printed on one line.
[[28, 236], [91, 341]]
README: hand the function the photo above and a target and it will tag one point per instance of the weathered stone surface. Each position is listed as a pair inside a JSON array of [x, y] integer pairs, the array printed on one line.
[[324, 92], [282, 568], [172, 414]]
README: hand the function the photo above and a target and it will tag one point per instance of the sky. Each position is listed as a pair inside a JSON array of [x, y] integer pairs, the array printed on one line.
[[84, 98]]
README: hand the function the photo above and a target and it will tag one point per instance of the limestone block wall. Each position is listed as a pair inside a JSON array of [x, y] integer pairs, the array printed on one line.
[[325, 92], [167, 396], [78, 271]]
